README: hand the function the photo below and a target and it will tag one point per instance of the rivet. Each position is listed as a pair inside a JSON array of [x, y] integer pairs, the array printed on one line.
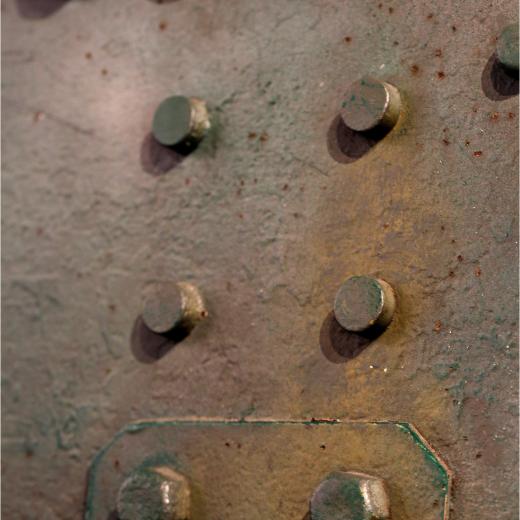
[[370, 103], [169, 305], [363, 302], [180, 120], [157, 493], [351, 495], [507, 47]]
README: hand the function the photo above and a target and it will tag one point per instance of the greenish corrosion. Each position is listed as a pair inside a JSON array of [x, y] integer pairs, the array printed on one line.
[[441, 479]]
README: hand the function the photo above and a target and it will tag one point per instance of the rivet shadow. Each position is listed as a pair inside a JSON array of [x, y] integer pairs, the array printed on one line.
[[148, 346], [339, 345], [498, 82]]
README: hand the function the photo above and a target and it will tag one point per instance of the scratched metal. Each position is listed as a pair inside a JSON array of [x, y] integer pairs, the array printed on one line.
[[267, 218], [270, 469]]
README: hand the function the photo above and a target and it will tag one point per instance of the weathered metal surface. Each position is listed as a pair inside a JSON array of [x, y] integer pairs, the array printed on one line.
[[275, 208], [270, 469]]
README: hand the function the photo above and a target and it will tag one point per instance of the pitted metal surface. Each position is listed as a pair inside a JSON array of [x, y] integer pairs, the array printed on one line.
[[265, 221]]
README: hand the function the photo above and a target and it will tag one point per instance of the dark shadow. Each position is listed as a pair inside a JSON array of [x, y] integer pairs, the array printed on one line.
[[498, 82], [307, 516], [346, 145], [148, 346], [157, 159], [36, 9], [339, 345], [113, 516]]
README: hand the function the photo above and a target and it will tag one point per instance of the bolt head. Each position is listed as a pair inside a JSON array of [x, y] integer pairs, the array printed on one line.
[[154, 493], [370, 103], [163, 306], [350, 496], [507, 47], [179, 119], [362, 302]]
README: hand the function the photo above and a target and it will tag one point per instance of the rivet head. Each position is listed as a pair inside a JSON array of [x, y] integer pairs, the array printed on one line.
[[350, 496], [169, 305], [180, 119], [507, 47], [154, 493], [363, 302], [370, 103]]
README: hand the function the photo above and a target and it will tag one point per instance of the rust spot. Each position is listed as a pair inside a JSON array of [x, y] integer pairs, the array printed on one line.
[[460, 258], [112, 307], [285, 187], [163, 25], [453, 28], [511, 115], [228, 444], [104, 72], [240, 215], [441, 74], [414, 69], [430, 16], [437, 326], [348, 39], [322, 446], [380, 6], [438, 53], [390, 10], [116, 463], [478, 153], [88, 55], [38, 116], [478, 455], [446, 142], [386, 226], [264, 136], [477, 271], [451, 274], [494, 116], [251, 135], [467, 143], [396, 43], [442, 228]]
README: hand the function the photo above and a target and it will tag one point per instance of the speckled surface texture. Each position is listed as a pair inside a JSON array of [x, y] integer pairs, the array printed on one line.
[[264, 221]]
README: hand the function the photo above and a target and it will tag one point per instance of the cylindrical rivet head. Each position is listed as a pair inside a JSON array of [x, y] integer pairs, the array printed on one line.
[[169, 305], [362, 302], [370, 103], [507, 47], [350, 495], [154, 493], [179, 119]]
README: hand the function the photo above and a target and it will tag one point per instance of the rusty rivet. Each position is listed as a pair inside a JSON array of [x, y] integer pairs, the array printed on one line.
[[170, 305], [350, 496], [180, 119], [363, 302], [154, 493], [507, 47], [370, 103]]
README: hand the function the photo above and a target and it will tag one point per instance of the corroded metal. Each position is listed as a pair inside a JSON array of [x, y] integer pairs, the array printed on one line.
[[370, 103], [507, 47], [179, 119], [270, 469], [350, 496], [169, 305], [268, 221], [154, 493], [363, 302]]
